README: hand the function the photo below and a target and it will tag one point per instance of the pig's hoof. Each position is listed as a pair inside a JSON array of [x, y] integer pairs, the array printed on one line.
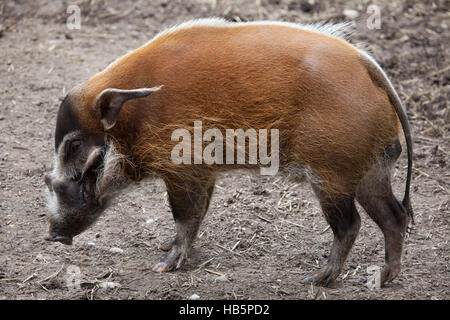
[[168, 244], [389, 273], [321, 278], [172, 260], [160, 267]]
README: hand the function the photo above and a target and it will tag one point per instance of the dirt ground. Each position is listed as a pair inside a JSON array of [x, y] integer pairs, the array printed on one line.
[[261, 235]]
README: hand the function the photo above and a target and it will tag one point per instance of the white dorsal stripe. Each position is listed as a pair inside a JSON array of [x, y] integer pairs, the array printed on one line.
[[341, 30], [337, 30]]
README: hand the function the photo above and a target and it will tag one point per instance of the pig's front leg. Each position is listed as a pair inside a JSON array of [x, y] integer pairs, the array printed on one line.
[[189, 202]]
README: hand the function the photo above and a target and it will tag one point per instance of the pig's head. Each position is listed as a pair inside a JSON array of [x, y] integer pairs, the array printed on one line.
[[87, 170]]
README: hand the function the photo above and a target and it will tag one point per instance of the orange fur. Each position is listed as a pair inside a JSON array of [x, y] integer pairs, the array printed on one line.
[[314, 88]]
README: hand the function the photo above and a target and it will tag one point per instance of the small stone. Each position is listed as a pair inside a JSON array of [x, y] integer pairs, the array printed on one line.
[[194, 297], [91, 244], [350, 14], [115, 250], [222, 278], [40, 257], [109, 285], [149, 221]]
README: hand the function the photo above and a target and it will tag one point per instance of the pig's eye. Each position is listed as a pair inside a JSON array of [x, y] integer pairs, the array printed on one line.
[[83, 195], [74, 146], [71, 148]]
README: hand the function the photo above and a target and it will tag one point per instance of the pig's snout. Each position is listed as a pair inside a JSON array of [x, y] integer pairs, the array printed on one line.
[[59, 238]]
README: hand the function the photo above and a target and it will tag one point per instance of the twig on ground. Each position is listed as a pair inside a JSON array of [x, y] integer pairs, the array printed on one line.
[[51, 276]]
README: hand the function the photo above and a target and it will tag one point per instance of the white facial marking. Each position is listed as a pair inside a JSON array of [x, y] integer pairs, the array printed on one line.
[[61, 174], [52, 204], [110, 178]]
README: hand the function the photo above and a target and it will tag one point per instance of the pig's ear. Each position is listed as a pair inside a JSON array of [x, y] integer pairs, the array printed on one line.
[[110, 102]]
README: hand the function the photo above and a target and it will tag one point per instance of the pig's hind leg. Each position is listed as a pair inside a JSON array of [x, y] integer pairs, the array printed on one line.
[[189, 201], [376, 197], [344, 220]]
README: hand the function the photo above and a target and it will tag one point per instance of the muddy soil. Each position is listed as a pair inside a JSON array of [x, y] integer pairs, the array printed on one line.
[[261, 235]]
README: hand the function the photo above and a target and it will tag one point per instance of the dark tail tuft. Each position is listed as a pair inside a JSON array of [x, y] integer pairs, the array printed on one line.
[[409, 211]]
